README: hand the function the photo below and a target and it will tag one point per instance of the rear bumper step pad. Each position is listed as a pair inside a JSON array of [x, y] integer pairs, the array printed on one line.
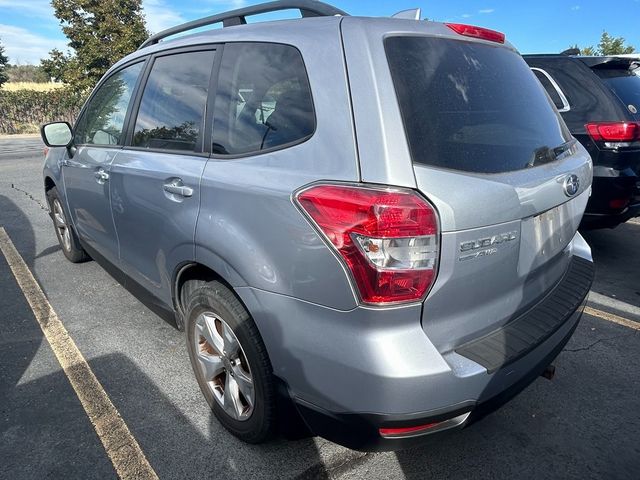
[[518, 337]]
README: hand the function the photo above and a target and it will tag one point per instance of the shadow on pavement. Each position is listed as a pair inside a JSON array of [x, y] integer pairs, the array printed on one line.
[[45, 433]]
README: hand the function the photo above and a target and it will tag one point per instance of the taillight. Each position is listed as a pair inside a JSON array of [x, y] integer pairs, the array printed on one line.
[[619, 203], [614, 131], [46, 151], [388, 238], [476, 32]]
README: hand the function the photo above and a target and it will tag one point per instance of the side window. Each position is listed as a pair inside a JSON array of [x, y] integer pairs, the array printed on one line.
[[171, 112], [103, 120], [552, 88], [263, 99]]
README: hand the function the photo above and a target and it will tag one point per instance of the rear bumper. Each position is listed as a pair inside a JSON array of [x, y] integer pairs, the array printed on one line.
[[611, 185], [609, 220], [360, 431], [514, 356], [353, 372]]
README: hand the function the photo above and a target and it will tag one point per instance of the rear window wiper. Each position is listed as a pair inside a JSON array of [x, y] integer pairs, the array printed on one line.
[[546, 154]]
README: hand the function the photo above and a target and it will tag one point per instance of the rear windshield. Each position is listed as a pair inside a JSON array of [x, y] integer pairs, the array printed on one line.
[[625, 84], [471, 106]]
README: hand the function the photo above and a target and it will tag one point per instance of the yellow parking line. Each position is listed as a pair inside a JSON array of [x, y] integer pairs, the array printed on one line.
[[121, 447], [610, 317]]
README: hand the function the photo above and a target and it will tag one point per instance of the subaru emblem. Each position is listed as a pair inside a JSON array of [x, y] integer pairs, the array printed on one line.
[[571, 185]]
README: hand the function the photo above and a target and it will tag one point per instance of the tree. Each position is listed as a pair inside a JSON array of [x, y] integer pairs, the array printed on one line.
[[100, 33], [613, 46], [608, 46], [4, 61], [56, 65]]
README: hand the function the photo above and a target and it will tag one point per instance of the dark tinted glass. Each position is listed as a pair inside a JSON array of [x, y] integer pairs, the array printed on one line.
[[625, 84], [471, 106], [172, 108], [551, 90], [103, 120], [263, 99]]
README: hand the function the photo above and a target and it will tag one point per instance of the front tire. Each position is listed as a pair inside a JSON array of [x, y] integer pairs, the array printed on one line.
[[230, 361], [64, 230]]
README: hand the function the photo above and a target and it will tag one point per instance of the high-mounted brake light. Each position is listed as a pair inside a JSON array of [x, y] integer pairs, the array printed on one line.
[[614, 131], [477, 32], [388, 238]]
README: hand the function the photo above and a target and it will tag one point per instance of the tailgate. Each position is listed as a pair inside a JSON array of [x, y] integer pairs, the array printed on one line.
[[491, 152], [497, 269]]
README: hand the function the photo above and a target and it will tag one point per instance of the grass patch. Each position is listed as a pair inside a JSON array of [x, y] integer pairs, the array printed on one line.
[[37, 87]]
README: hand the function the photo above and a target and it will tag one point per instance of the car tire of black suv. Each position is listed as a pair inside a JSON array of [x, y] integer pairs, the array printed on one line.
[[71, 246], [213, 300]]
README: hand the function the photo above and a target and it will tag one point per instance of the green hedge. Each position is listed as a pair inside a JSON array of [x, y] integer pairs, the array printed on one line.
[[23, 111]]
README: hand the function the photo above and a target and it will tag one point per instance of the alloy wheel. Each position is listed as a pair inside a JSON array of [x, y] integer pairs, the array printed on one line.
[[61, 225], [224, 366]]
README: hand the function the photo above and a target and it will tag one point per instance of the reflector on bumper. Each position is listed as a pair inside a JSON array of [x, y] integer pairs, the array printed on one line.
[[414, 431]]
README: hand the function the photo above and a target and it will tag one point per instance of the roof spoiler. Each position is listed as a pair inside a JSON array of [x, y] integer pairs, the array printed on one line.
[[598, 63], [571, 51], [307, 8]]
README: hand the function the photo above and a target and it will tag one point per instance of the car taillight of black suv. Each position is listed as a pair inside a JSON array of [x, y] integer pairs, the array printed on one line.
[[599, 99]]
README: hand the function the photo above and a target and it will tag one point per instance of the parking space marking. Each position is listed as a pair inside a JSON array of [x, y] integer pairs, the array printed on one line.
[[635, 221], [122, 448], [610, 317], [619, 306]]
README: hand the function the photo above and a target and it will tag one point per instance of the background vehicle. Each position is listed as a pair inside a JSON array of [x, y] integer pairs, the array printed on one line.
[[331, 250], [599, 99]]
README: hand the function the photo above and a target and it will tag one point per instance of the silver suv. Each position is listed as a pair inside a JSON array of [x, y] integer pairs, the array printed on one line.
[[367, 226]]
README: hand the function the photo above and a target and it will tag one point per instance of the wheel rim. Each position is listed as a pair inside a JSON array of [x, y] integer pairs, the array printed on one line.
[[61, 225], [224, 366]]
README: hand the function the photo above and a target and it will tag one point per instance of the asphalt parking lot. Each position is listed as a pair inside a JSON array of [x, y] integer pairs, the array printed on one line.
[[583, 424]]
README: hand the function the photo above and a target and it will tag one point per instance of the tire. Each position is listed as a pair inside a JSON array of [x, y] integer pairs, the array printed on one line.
[[248, 413], [65, 232]]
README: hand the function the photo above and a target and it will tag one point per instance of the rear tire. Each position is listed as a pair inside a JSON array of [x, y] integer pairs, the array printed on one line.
[[65, 232], [229, 360]]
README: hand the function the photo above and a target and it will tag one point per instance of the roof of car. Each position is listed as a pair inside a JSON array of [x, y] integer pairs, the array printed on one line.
[[294, 31]]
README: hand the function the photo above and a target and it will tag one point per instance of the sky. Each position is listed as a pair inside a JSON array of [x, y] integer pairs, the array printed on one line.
[[29, 30]]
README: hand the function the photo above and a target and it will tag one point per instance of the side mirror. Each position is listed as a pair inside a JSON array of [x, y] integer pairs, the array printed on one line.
[[56, 134]]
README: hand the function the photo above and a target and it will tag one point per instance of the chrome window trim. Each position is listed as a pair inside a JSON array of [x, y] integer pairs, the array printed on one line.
[[565, 103]]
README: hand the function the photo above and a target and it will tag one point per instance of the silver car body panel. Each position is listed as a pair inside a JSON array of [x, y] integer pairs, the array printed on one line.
[[88, 197]]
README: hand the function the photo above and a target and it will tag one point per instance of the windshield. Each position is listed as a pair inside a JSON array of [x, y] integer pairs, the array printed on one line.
[[472, 106], [625, 84]]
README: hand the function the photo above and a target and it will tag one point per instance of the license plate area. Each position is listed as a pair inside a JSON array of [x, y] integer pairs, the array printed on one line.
[[545, 235]]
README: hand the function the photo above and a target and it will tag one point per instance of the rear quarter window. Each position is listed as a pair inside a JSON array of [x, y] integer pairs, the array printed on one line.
[[471, 106], [263, 101], [553, 90]]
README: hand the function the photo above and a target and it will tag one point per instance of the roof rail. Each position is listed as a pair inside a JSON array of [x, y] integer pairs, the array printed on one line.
[[308, 8]]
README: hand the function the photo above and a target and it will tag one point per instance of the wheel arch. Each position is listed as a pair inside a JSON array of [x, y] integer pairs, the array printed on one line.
[[49, 183], [196, 271]]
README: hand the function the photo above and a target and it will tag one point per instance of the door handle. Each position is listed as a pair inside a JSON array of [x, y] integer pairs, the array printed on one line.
[[101, 175], [177, 188]]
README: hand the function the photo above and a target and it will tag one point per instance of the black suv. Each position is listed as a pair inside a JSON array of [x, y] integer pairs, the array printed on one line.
[[599, 99]]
